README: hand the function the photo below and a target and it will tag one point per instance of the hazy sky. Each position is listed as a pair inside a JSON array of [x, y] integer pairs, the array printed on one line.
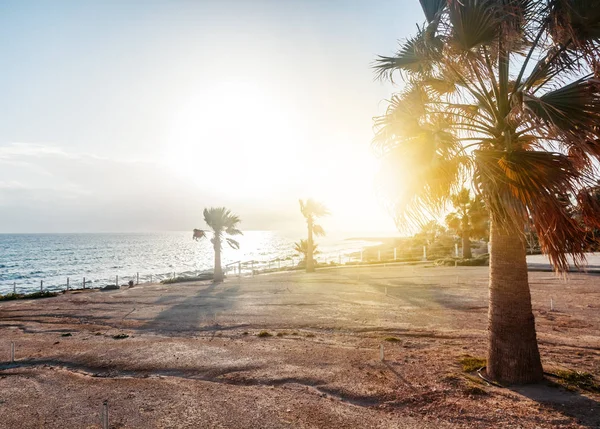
[[134, 115]]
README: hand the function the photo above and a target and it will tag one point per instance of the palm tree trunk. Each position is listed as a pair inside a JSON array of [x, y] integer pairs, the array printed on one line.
[[513, 355], [466, 245], [218, 271], [310, 263]]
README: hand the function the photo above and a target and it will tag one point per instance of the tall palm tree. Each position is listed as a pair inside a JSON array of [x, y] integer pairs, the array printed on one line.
[[505, 92], [312, 210], [301, 247], [222, 222], [469, 219]]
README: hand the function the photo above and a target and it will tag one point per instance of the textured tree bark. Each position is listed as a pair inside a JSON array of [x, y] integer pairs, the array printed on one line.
[[466, 245], [218, 271], [513, 355], [310, 263]]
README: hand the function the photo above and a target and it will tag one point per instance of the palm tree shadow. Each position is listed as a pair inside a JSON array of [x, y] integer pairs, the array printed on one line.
[[571, 404], [196, 313]]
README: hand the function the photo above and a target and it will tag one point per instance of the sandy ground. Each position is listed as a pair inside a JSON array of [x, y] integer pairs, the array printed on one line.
[[193, 358]]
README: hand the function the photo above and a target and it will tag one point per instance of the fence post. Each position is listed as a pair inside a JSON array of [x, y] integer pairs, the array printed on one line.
[[104, 415], [456, 250], [14, 288], [252, 267], [117, 281], [395, 254], [239, 268], [84, 282], [137, 282], [150, 278], [379, 255], [424, 253], [41, 285], [67, 283]]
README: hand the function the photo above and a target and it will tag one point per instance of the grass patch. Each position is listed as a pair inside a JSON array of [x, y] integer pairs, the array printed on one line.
[[264, 334], [181, 279], [473, 390], [68, 334], [295, 333], [120, 336], [470, 363], [451, 378], [310, 335], [392, 339], [577, 379], [281, 334]]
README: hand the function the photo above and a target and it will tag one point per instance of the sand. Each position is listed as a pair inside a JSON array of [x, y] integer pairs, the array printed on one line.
[[191, 355]]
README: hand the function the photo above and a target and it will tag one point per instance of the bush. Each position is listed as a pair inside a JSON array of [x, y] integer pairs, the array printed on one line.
[[479, 261], [34, 295], [181, 279]]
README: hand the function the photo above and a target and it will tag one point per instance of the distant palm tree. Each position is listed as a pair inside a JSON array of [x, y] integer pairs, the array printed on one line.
[[311, 210], [505, 92], [302, 248], [222, 222], [469, 219]]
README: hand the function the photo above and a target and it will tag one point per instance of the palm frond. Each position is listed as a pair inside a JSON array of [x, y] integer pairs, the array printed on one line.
[[318, 231], [577, 22], [233, 231], [573, 109], [414, 56], [433, 8], [311, 209], [221, 219], [232, 243], [529, 187], [473, 22]]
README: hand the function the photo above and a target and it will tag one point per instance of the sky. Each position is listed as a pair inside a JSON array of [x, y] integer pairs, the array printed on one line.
[[123, 116]]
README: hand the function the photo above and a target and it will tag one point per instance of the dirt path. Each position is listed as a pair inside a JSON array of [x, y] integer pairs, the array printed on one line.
[[192, 356]]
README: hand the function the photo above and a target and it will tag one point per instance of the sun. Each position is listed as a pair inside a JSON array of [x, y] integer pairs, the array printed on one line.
[[234, 130]]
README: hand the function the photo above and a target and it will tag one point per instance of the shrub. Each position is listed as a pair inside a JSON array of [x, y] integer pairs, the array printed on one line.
[[182, 279]]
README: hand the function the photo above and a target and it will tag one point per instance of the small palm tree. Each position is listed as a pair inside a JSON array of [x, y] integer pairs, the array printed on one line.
[[301, 248], [505, 92], [222, 222], [311, 210], [468, 220]]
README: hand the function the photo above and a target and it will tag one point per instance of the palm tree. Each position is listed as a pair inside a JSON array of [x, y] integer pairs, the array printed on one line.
[[469, 219], [505, 92], [222, 222], [311, 210], [301, 248]]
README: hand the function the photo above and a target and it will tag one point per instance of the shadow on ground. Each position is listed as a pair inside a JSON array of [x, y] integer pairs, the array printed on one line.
[[196, 313], [570, 404]]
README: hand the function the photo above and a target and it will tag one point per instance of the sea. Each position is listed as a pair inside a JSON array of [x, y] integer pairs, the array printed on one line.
[[30, 262]]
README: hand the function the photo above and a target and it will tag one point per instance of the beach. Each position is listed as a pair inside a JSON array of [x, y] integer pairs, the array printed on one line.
[[293, 350]]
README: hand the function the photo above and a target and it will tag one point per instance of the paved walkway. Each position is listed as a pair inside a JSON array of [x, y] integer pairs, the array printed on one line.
[[541, 263]]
